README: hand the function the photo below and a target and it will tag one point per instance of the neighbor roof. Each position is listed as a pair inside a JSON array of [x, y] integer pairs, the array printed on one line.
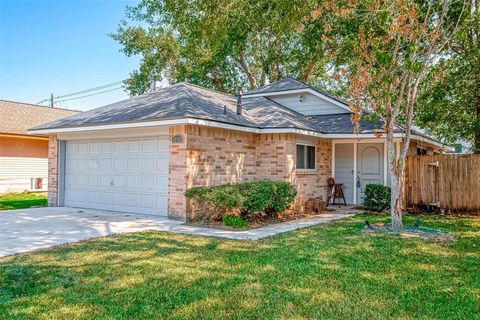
[[17, 117], [184, 100]]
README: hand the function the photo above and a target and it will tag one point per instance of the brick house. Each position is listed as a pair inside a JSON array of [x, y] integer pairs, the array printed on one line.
[[140, 155], [23, 157]]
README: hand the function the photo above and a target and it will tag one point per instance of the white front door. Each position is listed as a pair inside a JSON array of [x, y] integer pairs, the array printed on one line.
[[128, 175], [369, 167]]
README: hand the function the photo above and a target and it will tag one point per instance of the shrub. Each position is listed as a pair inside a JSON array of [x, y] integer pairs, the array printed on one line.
[[377, 197], [234, 221], [246, 198]]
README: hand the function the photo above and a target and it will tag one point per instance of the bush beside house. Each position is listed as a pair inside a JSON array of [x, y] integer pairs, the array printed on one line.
[[377, 197], [244, 199]]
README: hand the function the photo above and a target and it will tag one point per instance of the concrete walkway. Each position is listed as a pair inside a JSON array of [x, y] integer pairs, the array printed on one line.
[[26, 230]]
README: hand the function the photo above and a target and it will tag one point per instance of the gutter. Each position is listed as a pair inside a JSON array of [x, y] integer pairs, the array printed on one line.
[[222, 125]]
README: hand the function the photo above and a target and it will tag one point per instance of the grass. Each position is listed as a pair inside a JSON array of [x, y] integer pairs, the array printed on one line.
[[328, 271], [22, 200]]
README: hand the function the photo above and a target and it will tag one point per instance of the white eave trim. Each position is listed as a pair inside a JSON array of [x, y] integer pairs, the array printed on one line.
[[311, 91], [143, 125], [222, 125]]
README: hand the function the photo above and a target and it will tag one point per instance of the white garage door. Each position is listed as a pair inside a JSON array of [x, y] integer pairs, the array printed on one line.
[[129, 175]]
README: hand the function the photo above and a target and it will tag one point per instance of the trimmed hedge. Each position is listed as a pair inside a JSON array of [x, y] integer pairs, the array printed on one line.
[[377, 197], [245, 199]]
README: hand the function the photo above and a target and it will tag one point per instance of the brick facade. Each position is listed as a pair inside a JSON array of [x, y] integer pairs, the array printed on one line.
[[177, 172], [211, 156], [52, 171]]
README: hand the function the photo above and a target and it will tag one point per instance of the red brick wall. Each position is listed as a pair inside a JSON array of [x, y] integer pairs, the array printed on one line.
[[177, 169], [211, 156], [217, 156], [52, 171]]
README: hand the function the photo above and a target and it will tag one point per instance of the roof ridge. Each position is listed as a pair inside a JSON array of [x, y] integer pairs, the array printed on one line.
[[205, 88], [38, 105]]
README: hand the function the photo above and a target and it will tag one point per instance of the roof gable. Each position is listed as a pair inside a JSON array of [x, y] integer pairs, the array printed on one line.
[[301, 97]]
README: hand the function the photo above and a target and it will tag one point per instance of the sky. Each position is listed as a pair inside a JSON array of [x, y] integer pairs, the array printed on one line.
[[62, 47]]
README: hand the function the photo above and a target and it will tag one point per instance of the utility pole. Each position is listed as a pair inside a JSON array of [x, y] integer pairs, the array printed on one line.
[[51, 100]]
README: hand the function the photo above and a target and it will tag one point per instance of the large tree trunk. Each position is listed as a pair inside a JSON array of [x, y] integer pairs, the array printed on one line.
[[476, 144], [396, 183]]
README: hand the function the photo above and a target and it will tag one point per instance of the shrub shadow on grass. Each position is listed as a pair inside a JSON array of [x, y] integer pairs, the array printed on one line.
[[327, 271]]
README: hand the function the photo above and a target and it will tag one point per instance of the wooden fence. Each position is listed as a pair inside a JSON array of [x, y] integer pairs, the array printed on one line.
[[451, 182]]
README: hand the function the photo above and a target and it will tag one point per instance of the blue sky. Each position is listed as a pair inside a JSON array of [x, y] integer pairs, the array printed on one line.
[[60, 47]]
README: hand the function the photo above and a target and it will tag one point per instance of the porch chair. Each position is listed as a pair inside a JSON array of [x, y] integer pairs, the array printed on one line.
[[335, 191]]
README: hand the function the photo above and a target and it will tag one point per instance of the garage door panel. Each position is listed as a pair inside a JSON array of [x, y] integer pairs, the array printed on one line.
[[148, 146], [94, 197], [147, 201], [147, 184], [106, 164], [83, 148], [133, 164], [132, 200], [119, 164], [94, 147], [118, 174], [93, 180], [162, 202], [107, 147], [120, 146], [161, 181], [162, 165], [133, 146], [132, 183], [118, 199], [118, 182], [148, 164]]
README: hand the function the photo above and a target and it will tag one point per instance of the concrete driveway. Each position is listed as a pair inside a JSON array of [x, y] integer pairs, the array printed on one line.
[[31, 229]]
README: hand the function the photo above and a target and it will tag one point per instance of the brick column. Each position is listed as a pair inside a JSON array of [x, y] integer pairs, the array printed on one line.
[[52, 171], [177, 168]]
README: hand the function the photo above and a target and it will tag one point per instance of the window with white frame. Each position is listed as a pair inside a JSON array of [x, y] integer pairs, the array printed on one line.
[[306, 157]]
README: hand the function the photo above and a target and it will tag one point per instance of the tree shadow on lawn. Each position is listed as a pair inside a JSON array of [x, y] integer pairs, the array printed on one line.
[[327, 271]]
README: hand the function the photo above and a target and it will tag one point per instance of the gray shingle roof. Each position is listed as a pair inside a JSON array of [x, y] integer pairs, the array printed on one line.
[[284, 84], [185, 100]]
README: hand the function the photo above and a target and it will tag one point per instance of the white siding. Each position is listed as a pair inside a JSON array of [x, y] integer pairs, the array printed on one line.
[[16, 173], [310, 104], [344, 168]]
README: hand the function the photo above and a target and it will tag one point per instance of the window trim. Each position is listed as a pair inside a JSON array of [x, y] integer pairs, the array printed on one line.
[[305, 157]]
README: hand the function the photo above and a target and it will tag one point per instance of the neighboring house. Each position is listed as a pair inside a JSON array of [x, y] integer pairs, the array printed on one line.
[[23, 157], [140, 155]]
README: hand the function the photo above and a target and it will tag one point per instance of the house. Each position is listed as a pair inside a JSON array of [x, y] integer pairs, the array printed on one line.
[[23, 157], [140, 155]]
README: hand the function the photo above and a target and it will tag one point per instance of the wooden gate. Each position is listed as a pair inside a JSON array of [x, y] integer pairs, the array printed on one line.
[[451, 182]]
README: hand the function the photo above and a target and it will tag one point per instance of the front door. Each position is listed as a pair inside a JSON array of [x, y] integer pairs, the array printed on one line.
[[369, 167]]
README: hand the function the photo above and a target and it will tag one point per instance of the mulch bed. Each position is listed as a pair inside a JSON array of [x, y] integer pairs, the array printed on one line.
[[410, 232], [258, 222]]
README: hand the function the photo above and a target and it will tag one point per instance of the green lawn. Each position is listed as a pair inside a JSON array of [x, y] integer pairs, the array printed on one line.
[[328, 271], [22, 200]]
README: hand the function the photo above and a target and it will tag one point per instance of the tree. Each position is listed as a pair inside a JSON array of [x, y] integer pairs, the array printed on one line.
[[224, 43], [449, 104], [394, 45]]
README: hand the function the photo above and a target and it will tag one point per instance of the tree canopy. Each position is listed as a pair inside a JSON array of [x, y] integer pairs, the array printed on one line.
[[450, 97], [225, 43]]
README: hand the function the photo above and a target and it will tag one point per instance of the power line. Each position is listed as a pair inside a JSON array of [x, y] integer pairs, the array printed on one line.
[[84, 91], [91, 89], [89, 95]]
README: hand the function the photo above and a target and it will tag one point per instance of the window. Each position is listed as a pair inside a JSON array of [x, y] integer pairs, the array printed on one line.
[[421, 152], [305, 157]]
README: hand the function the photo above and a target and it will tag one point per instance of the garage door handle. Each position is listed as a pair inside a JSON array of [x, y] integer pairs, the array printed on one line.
[[111, 183]]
